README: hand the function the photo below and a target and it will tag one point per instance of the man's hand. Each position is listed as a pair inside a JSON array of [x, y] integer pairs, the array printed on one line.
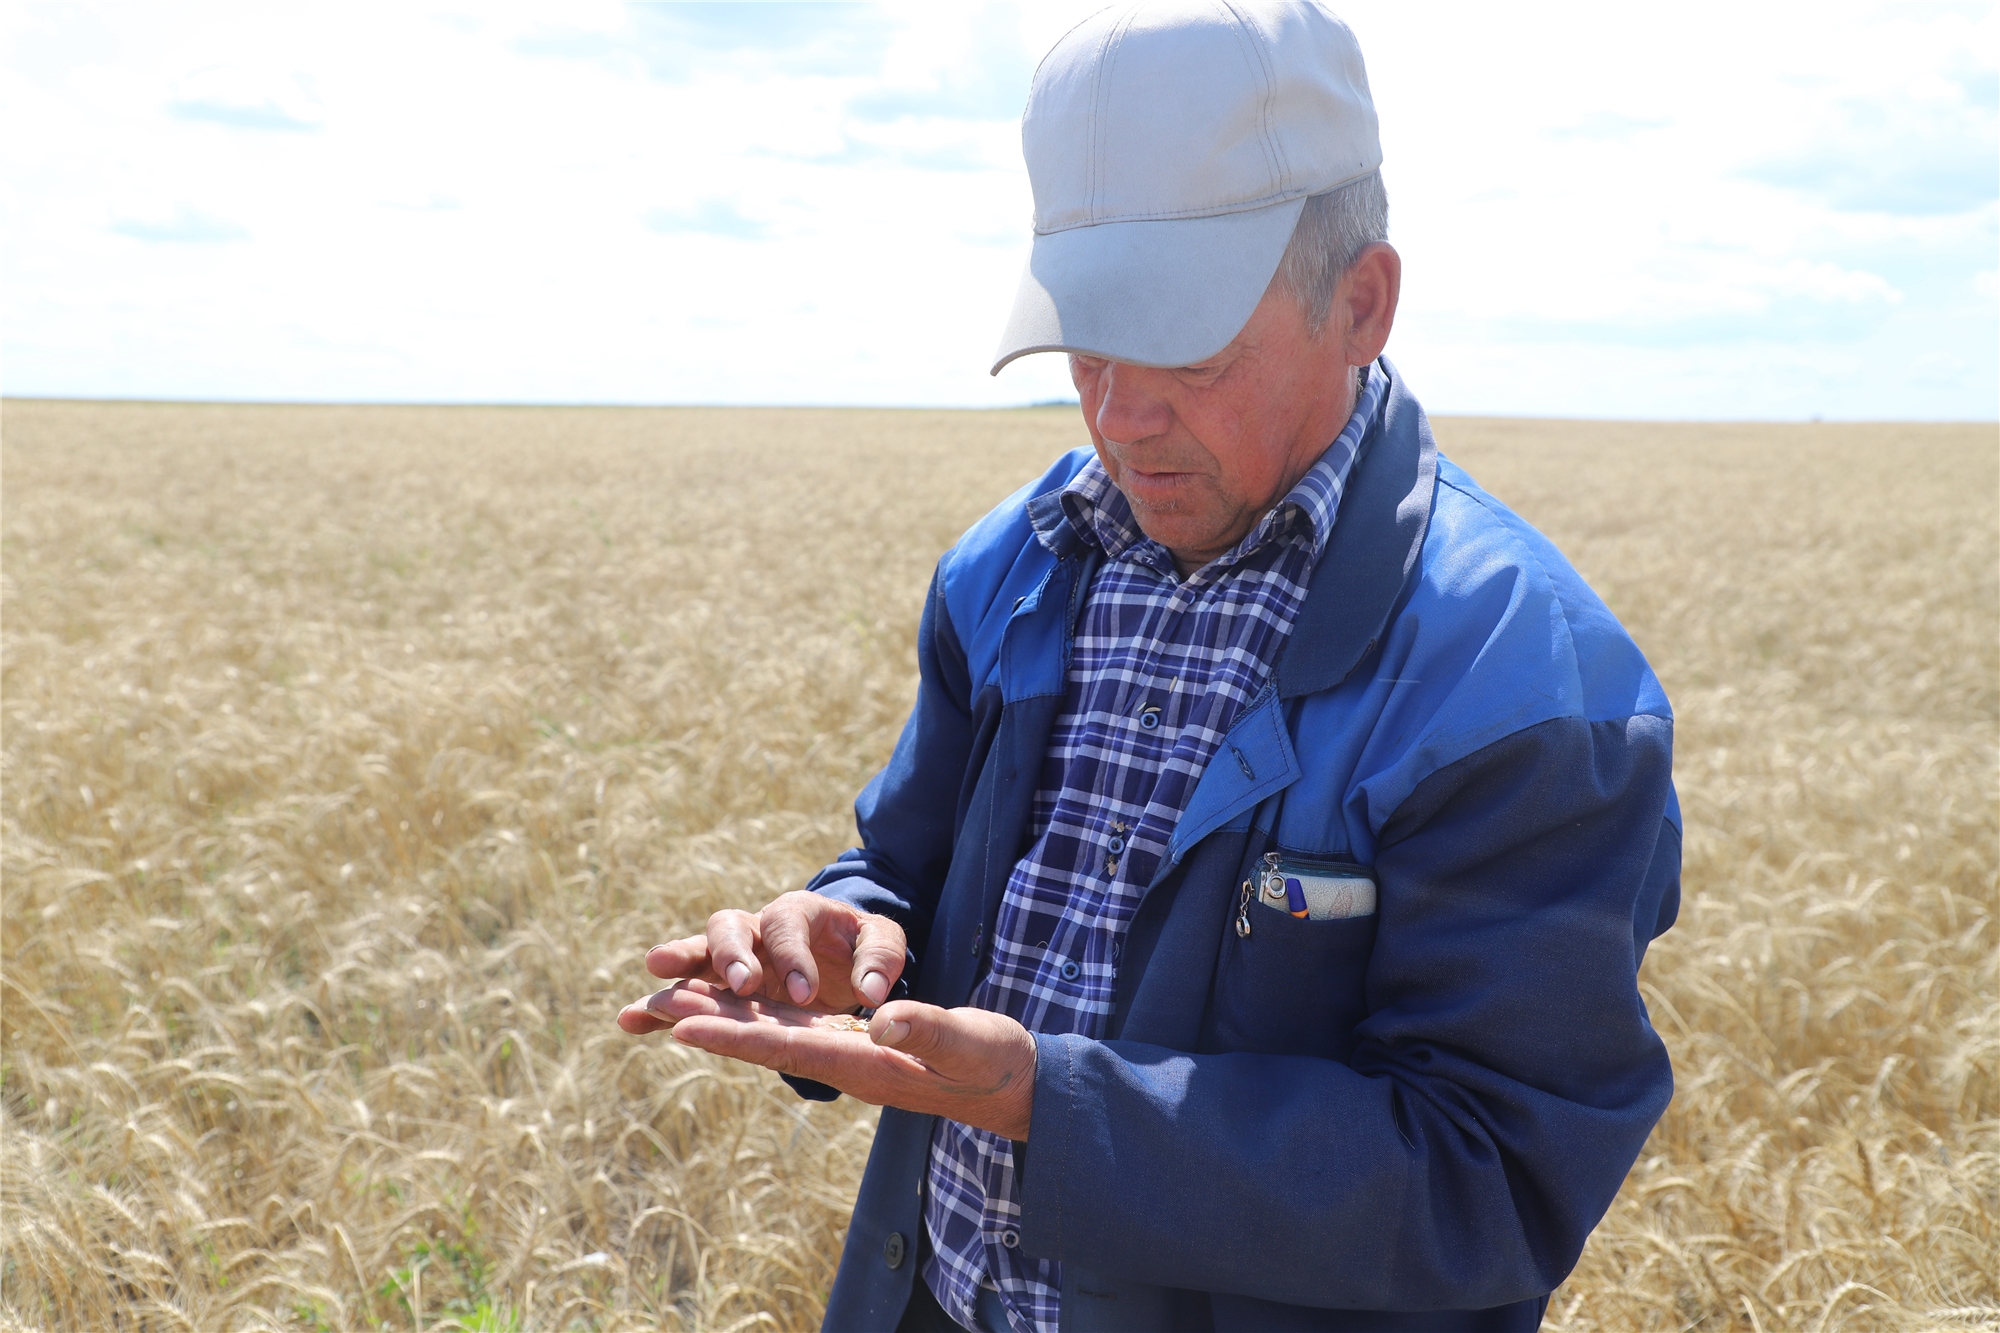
[[969, 1065], [811, 951]]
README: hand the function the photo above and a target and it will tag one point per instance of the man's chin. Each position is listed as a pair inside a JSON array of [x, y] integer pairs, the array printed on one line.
[[1179, 532]]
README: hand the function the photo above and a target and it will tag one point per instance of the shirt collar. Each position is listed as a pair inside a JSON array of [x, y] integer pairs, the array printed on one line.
[[1094, 510]]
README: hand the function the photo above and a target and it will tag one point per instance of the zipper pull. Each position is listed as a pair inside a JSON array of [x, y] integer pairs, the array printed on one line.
[[1272, 880], [1243, 912]]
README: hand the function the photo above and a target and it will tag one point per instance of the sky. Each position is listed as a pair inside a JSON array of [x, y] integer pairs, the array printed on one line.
[[1730, 211]]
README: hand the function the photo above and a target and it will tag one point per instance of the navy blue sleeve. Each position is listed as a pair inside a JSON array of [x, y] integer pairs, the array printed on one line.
[[1500, 1086], [907, 814]]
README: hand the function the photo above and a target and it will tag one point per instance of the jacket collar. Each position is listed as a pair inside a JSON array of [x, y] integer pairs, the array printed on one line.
[[1052, 526], [1374, 548]]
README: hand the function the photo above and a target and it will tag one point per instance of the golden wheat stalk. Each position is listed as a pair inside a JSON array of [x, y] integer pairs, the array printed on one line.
[[353, 756]]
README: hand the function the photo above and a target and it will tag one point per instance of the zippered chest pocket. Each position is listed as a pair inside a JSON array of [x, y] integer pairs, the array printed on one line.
[[1316, 888], [1308, 888], [1292, 976]]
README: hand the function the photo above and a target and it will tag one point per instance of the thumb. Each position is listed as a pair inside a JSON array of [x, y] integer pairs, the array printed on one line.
[[910, 1027], [953, 1042]]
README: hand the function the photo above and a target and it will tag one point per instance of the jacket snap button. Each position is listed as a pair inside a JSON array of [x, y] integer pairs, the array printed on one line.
[[1070, 971], [893, 1249]]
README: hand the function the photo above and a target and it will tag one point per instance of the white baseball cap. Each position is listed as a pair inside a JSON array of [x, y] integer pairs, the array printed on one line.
[[1172, 147]]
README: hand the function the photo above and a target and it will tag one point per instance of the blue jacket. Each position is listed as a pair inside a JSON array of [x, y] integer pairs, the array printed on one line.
[[1421, 1111]]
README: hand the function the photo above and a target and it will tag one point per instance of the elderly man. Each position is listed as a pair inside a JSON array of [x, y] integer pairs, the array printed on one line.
[[1251, 911]]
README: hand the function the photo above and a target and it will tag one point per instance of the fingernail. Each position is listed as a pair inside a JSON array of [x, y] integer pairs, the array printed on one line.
[[893, 1033], [737, 974], [798, 987], [874, 987]]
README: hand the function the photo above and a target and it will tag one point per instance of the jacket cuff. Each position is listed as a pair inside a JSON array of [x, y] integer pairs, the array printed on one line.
[[811, 1091], [858, 892], [1051, 1137]]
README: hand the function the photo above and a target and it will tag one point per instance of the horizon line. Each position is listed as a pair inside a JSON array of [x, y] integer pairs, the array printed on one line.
[[527, 404]]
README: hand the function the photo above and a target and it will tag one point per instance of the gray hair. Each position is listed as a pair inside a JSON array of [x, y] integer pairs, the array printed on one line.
[[1332, 230]]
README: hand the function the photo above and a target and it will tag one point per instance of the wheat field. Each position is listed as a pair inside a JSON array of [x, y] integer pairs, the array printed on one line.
[[353, 757]]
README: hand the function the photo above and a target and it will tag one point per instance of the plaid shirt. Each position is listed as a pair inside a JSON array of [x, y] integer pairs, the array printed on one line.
[[1161, 668]]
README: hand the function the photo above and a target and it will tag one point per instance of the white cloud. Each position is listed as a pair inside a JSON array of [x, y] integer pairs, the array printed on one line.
[[1613, 211], [1604, 210], [247, 99], [182, 224]]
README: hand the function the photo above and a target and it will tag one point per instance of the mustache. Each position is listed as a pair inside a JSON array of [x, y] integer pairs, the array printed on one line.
[[1157, 458]]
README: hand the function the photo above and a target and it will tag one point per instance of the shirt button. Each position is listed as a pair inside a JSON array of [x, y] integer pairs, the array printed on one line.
[[893, 1249], [1115, 846], [1149, 717], [1070, 969], [1010, 1238]]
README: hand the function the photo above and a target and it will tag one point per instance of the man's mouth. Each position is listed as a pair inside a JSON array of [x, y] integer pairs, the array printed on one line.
[[1144, 484]]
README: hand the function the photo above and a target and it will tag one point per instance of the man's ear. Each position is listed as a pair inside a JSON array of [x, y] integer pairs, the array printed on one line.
[[1366, 297]]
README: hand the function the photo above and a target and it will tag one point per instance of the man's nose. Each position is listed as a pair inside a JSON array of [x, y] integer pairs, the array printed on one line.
[[1132, 408]]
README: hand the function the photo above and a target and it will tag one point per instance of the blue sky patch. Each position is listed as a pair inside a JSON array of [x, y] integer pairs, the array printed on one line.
[[1897, 155], [675, 42], [263, 116], [707, 217], [185, 226], [1614, 214]]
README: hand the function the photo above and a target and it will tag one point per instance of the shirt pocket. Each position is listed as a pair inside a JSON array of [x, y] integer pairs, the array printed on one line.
[[1293, 985]]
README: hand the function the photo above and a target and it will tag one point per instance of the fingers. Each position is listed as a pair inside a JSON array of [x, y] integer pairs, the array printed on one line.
[[788, 927], [976, 1067], [658, 1012], [732, 951], [638, 1020], [703, 999], [680, 958], [804, 949], [806, 1048], [879, 952]]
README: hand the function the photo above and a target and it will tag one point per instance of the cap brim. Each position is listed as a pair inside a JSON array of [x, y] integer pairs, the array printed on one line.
[[1168, 293]]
